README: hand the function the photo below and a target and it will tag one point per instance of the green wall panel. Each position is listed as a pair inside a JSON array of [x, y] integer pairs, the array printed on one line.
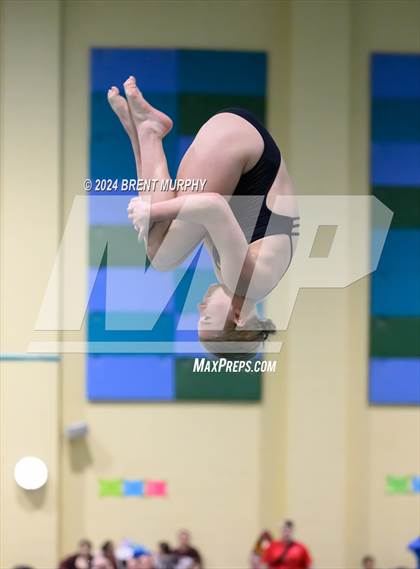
[[221, 386], [395, 337]]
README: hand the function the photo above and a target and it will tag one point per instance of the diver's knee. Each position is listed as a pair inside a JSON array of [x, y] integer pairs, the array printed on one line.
[[160, 262]]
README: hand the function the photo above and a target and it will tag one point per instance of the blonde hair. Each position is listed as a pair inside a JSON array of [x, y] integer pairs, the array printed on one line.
[[240, 342]]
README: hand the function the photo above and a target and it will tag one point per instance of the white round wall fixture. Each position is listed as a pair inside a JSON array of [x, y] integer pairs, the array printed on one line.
[[31, 473]]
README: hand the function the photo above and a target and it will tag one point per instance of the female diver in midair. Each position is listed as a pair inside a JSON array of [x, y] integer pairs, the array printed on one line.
[[247, 215]]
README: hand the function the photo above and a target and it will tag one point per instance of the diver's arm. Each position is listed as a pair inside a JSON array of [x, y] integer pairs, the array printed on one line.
[[211, 211]]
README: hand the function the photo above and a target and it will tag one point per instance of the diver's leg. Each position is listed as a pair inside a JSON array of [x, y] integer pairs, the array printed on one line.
[[120, 107], [224, 148], [215, 159], [151, 127]]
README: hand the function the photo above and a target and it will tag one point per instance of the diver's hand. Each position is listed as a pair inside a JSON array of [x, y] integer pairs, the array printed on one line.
[[139, 213]]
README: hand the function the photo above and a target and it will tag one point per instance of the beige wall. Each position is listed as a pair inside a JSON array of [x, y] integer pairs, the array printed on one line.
[[317, 368], [313, 450], [29, 181]]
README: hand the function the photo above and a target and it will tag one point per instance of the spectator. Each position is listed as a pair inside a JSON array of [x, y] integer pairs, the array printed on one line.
[[187, 563], [81, 560], [165, 559], [145, 562], [368, 562], [260, 546], [106, 558], [186, 550], [287, 553]]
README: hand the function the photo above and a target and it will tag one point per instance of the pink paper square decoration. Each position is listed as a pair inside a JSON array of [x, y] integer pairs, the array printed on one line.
[[155, 488]]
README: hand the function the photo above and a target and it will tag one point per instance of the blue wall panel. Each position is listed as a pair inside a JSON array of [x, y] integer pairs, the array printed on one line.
[[395, 286], [186, 84], [395, 381], [133, 376]]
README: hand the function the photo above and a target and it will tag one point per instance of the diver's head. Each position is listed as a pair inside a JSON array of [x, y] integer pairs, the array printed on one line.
[[229, 326]]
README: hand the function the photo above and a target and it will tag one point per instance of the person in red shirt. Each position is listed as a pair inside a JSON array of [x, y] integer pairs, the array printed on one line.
[[287, 553], [262, 543]]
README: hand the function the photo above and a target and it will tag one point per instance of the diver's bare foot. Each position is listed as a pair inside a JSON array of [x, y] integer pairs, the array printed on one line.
[[120, 107], [145, 117]]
